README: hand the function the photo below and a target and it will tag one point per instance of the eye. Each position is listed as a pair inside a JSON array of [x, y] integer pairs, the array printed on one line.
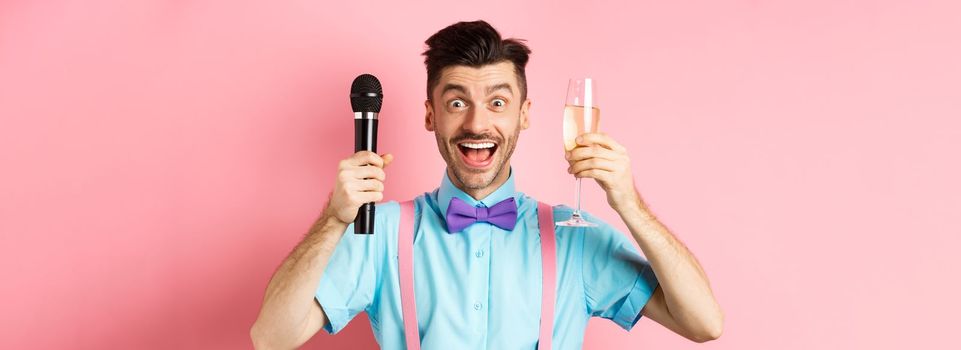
[[499, 102], [458, 104]]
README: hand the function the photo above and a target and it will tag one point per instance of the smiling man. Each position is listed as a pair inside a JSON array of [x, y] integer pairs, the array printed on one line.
[[476, 242], [476, 116]]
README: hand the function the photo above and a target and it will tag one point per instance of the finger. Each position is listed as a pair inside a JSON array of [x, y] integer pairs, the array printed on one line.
[[593, 163], [370, 185], [388, 158], [366, 158], [596, 174], [367, 197], [368, 172], [598, 138], [592, 151]]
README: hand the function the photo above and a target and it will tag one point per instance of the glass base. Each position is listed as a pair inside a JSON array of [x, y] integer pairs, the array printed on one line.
[[576, 221]]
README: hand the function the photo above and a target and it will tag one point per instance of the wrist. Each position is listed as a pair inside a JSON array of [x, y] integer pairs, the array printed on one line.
[[630, 204], [625, 199], [332, 218], [330, 222]]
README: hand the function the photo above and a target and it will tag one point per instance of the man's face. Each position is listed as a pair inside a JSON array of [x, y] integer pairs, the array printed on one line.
[[476, 115]]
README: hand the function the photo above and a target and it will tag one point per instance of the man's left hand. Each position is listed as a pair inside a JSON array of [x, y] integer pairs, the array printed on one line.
[[599, 157]]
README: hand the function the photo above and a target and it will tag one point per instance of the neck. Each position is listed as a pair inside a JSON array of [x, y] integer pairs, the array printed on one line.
[[480, 193]]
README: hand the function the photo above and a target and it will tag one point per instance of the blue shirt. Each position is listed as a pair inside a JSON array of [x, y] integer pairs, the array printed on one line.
[[481, 288]]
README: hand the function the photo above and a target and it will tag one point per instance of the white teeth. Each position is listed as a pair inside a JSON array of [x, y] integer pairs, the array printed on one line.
[[478, 145]]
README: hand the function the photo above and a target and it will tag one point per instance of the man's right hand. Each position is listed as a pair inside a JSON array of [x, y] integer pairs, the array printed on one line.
[[290, 314], [360, 179]]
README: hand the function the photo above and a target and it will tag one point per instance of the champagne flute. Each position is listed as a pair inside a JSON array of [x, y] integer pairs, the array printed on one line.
[[581, 115]]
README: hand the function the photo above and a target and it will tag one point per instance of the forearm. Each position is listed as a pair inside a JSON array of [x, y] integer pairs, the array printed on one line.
[[687, 291], [288, 301]]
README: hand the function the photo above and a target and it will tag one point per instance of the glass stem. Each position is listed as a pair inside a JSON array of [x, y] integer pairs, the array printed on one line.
[[577, 199]]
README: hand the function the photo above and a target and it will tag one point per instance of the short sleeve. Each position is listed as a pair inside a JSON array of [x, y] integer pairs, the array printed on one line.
[[618, 281], [348, 284]]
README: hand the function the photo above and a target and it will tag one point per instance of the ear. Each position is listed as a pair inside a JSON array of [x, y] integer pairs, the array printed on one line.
[[428, 116], [525, 110]]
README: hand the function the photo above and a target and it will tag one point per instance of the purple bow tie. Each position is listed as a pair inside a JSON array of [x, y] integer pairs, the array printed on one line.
[[460, 214]]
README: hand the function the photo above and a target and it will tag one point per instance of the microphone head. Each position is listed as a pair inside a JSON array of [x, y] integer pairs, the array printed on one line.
[[366, 94]]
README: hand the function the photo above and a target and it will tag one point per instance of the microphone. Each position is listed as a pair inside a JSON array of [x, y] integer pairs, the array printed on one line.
[[366, 97]]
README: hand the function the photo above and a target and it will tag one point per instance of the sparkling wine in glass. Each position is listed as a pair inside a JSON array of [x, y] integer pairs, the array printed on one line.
[[581, 115]]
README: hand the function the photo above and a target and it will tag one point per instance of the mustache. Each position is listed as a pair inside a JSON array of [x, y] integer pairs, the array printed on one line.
[[476, 137]]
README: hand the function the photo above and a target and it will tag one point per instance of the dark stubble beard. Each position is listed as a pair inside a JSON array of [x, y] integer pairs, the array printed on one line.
[[450, 151]]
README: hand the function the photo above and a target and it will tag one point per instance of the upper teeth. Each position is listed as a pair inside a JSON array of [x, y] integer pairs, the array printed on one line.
[[478, 145]]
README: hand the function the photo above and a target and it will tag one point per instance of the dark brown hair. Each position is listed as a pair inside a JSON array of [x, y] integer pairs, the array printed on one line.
[[473, 44]]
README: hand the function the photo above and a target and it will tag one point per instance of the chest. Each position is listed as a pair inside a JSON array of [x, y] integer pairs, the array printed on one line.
[[484, 286]]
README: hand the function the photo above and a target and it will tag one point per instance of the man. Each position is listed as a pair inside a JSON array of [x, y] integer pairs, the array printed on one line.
[[479, 286]]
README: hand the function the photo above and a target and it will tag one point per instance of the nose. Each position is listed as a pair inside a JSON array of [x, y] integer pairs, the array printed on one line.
[[477, 121]]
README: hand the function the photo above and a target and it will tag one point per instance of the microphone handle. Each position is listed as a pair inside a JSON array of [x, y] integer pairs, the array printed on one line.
[[365, 139]]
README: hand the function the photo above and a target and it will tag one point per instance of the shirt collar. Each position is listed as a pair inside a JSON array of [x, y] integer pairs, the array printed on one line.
[[447, 191]]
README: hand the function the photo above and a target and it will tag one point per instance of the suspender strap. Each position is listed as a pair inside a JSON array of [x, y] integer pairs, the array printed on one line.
[[405, 252], [545, 219], [405, 257]]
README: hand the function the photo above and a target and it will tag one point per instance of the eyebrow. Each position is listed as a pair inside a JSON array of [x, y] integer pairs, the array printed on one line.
[[454, 87], [463, 90], [501, 86]]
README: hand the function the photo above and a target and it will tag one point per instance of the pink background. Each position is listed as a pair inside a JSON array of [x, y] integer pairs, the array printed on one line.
[[160, 158]]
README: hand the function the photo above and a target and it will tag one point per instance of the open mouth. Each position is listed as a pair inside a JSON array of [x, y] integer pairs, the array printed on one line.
[[477, 154]]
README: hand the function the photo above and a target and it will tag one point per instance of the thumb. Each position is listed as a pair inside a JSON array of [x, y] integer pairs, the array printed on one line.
[[388, 158]]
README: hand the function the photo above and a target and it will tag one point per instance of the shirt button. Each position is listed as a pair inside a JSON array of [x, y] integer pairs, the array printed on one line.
[[477, 306], [479, 253]]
